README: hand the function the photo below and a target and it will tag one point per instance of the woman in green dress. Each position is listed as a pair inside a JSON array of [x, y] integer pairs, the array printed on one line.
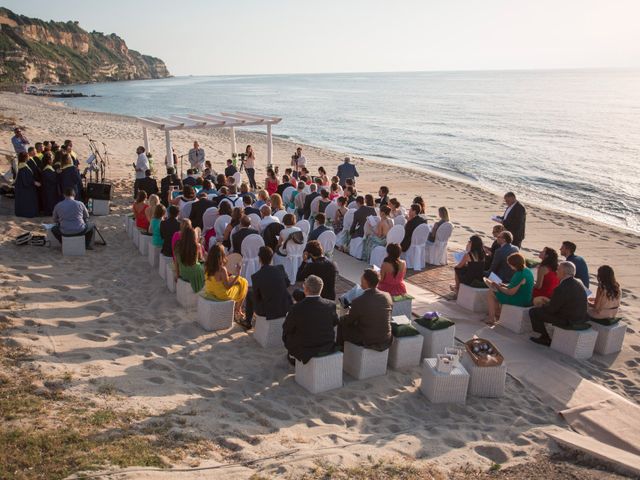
[[154, 227], [518, 292], [187, 261]]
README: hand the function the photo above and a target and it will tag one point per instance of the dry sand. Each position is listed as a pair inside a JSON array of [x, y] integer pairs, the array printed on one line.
[[107, 318]]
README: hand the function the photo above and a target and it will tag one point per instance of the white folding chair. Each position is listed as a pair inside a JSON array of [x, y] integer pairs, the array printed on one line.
[[237, 177], [378, 254], [185, 211], [292, 261], [328, 241], [209, 218], [341, 238], [255, 221], [437, 251], [250, 262], [280, 215], [400, 220], [415, 255], [305, 226], [352, 205], [286, 195], [330, 212], [226, 200], [221, 225]]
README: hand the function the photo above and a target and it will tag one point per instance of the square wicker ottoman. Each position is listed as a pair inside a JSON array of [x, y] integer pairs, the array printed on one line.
[[214, 315], [185, 294], [361, 363], [268, 333], [320, 374], [610, 337], [485, 381], [405, 352], [435, 341], [443, 387], [515, 319], [402, 307], [474, 299], [578, 344]]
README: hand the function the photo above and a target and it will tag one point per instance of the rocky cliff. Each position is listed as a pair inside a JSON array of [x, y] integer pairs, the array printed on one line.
[[32, 50]]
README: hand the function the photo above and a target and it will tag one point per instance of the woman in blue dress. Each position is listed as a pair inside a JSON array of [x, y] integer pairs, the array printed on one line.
[[50, 187], [26, 191]]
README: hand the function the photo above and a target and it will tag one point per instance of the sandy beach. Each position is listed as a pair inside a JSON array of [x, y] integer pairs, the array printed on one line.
[[106, 324]]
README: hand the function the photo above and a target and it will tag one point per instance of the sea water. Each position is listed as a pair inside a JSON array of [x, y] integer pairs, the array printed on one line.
[[569, 139]]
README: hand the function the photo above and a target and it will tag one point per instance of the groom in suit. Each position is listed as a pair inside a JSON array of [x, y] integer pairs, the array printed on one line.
[[514, 218]]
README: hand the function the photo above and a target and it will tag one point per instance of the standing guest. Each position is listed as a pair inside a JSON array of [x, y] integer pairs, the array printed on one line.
[[26, 189], [514, 218], [72, 218], [298, 161], [168, 228], [148, 184], [315, 263], [187, 259], [198, 208], [50, 185], [139, 209], [443, 214], [223, 285], [168, 184], [320, 227], [414, 220], [68, 145], [154, 228], [19, 141], [547, 278], [470, 270], [383, 195], [39, 150], [196, 157], [499, 264], [250, 167], [568, 251], [518, 292], [606, 303], [368, 323], [271, 182], [190, 179], [364, 209], [268, 296], [267, 218], [141, 166], [231, 169], [567, 307], [379, 236], [338, 219], [392, 272], [345, 171], [308, 328], [490, 251], [153, 202], [34, 162], [243, 232], [69, 176]]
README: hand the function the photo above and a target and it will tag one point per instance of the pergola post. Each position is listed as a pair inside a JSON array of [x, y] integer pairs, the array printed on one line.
[[145, 139], [269, 147], [233, 141], [167, 139]]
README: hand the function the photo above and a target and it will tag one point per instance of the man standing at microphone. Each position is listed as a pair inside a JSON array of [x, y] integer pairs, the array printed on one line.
[[196, 157]]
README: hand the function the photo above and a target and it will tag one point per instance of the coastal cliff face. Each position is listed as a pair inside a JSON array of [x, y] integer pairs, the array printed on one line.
[[32, 50]]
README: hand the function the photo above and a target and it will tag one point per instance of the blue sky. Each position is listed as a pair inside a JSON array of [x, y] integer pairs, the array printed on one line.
[[215, 37]]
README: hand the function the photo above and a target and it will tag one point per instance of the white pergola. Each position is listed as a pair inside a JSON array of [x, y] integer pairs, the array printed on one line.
[[195, 121]]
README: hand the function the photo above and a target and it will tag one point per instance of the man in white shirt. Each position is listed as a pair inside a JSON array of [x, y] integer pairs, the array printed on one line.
[[267, 218], [196, 157], [141, 166], [297, 162]]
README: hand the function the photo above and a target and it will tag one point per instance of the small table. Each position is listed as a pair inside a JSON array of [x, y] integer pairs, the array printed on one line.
[[444, 387]]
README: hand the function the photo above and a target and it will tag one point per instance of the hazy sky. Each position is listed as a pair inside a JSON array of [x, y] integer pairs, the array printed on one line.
[[202, 37]]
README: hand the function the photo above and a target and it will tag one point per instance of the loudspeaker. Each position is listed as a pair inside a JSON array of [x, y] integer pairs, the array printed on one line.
[[99, 191]]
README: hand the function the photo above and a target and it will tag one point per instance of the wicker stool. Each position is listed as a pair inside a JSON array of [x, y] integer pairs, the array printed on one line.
[[135, 237], [162, 265], [361, 363], [100, 207], [320, 374], [214, 315], [154, 254], [485, 381], [171, 278], [185, 295], [73, 246], [474, 299], [144, 241], [130, 226], [435, 341], [402, 307], [515, 319], [405, 352], [575, 343], [610, 337], [53, 241], [443, 387], [268, 333]]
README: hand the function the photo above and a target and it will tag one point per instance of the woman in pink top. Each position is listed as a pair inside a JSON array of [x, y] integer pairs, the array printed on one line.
[[176, 236], [392, 272], [271, 182]]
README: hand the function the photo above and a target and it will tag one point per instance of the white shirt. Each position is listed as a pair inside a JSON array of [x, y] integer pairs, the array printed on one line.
[[142, 165], [266, 221], [506, 212], [301, 162]]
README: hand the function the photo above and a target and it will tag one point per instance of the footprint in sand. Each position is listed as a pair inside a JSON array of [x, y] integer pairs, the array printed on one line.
[[60, 288], [69, 298], [93, 338], [453, 442], [75, 356], [95, 308], [495, 454], [119, 351], [156, 380], [64, 323]]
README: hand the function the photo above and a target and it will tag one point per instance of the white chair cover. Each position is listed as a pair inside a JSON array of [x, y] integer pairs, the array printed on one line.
[[395, 234], [328, 241], [227, 201], [416, 254], [330, 212], [286, 195], [185, 211], [355, 247], [250, 262], [379, 253], [437, 251], [220, 225], [237, 177], [399, 220], [255, 221], [209, 218], [352, 205], [341, 239], [305, 226], [292, 261], [314, 206], [280, 214]]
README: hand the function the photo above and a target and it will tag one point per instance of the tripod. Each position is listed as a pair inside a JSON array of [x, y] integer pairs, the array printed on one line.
[[103, 241]]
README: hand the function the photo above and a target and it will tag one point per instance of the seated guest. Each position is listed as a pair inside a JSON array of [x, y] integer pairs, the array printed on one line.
[[547, 278], [230, 170], [423, 206], [168, 184], [248, 209], [518, 292], [443, 213], [499, 264], [568, 251], [396, 209], [271, 182], [26, 189], [286, 183], [244, 191], [72, 218], [154, 227], [308, 328], [233, 196], [306, 210], [271, 233], [289, 222], [490, 251], [607, 301], [379, 236], [414, 220], [323, 203], [153, 202], [338, 219], [198, 208], [567, 307], [267, 218], [187, 261], [225, 208], [184, 225], [470, 270], [322, 174], [349, 194], [320, 227], [368, 322], [190, 179], [315, 263], [148, 184], [263, 199], [275, 202], [168, 228], [50, 186], [334, 191], [139, 208], [208, 188], [221, 181], [188, 196], [268, 295], [299, 199], [243, 232], [223, 193], [360, 216], [232, 227], [383, 195], [223, 285], [392, 272]]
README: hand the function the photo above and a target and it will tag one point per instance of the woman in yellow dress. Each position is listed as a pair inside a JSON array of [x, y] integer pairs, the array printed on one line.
[[220, 285]]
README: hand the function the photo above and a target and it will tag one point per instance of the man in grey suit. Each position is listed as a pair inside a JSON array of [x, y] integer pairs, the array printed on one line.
[[368, 322], [347, 170], [499, 264], [196, 157], [360, 217]]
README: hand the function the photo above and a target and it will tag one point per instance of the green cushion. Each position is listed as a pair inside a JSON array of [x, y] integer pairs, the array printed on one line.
[[435, 324], [578, 326], [403, 330], [324, 354], [478, 284], [532, 263], [605, 321], [400, 298]]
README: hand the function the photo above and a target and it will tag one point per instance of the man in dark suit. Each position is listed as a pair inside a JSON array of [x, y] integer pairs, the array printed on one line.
[[499, 264], [198, 208], [308, 328], [306, 211], [320, 227], [360, 217], [248, 209], [286, 183], [168, 227], [191, 179], [514, 218], [244, 231], [148, 184], [384, 196], [268, 296], [315, 263], [171, 180], [230, 169], [414, 220], [567, 307], [368, 322]]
